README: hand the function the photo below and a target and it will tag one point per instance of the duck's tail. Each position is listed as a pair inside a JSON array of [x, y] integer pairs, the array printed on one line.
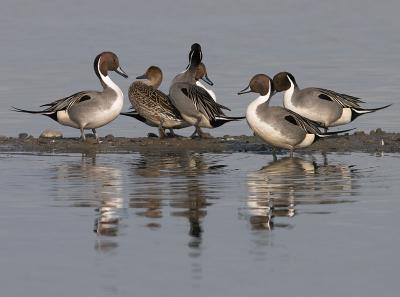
[[356, 112], [220, 120], [327, 134], [134, 114], [44, 112], [50, 113]]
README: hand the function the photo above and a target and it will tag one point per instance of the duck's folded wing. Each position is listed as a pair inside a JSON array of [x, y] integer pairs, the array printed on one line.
[[344, 100], [67, 102], [306, 124], [203, 101]]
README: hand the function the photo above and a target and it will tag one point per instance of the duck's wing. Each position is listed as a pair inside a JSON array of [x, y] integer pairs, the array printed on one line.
[[343, 100], [203, 101], [152, 103], [306, 124], [67, 102], [63, 103]]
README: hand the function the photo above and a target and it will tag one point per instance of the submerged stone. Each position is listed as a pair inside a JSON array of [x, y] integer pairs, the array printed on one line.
[[51, 134], [23, 135]]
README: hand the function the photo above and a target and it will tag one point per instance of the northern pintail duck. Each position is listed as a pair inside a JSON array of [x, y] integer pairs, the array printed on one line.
[[276, 125], [152, 106], [89, 109], [326, 107], [194, 103]]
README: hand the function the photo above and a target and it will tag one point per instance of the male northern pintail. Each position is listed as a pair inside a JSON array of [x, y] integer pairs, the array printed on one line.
[[152, 106], [325, 107], [89, 109], [276, 125], [194, 103]]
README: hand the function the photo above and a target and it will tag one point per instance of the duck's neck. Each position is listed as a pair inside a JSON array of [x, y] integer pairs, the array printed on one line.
[[187, 76], [107, 83], [252, 108], [211, 92], [262, 99], [288, 94], [151, 83]]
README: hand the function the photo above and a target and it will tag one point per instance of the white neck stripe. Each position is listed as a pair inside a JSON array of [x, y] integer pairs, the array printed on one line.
[[291, 82], [108, 82]]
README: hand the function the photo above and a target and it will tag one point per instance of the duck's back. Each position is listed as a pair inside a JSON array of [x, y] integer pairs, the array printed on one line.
[[153, 104]]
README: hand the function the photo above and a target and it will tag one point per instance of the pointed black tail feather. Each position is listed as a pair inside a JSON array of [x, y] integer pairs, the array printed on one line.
[[29, 111], [134, 114], [50, 114], [356, 112], [327, 134], [219, 121], [369, 110]]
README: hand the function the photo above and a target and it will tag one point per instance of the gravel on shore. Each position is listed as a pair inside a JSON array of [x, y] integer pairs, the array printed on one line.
[[374, 141]]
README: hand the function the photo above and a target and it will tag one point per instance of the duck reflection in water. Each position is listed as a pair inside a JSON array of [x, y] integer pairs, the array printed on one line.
[[175, 178], [277, 189], [88, 184]]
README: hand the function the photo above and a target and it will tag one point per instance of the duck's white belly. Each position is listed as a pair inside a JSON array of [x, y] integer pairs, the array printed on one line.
[[105, 116], [262, 129]]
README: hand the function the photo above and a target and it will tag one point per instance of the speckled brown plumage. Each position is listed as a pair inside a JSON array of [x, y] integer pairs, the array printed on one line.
[[154, 105]]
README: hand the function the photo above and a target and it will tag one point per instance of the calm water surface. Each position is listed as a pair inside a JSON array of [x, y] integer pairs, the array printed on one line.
[[188, 224]]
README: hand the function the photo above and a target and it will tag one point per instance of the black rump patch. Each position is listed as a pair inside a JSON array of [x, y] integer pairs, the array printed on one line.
[[185, 91], [324, 97], [53, 116], [291, 119]]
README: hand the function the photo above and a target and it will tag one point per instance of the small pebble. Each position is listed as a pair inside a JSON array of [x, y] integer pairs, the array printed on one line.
[[109, 137], [51, 134]]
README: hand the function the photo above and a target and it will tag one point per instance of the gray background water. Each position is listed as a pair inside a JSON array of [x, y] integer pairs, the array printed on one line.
[[48, 47]]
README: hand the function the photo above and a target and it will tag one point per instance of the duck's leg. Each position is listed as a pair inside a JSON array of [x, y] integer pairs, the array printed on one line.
[[161, 130], [194, 133], [95, 135], [291, 153], [83, 137], [199, 131], [274, 157], [171, 132]]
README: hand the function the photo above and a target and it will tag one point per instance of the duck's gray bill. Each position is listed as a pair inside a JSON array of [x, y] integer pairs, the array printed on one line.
[[141, 76], [207, 80], [245, 90], [121, 72]]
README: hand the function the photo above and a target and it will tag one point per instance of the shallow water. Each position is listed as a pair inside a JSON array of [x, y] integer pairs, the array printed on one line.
[[48, 49], [180, 224]]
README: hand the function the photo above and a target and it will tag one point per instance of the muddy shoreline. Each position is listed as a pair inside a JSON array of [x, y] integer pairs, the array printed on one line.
[[371, 142]]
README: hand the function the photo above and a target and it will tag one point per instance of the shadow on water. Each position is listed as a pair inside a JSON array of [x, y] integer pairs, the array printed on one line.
[[279, 188]]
